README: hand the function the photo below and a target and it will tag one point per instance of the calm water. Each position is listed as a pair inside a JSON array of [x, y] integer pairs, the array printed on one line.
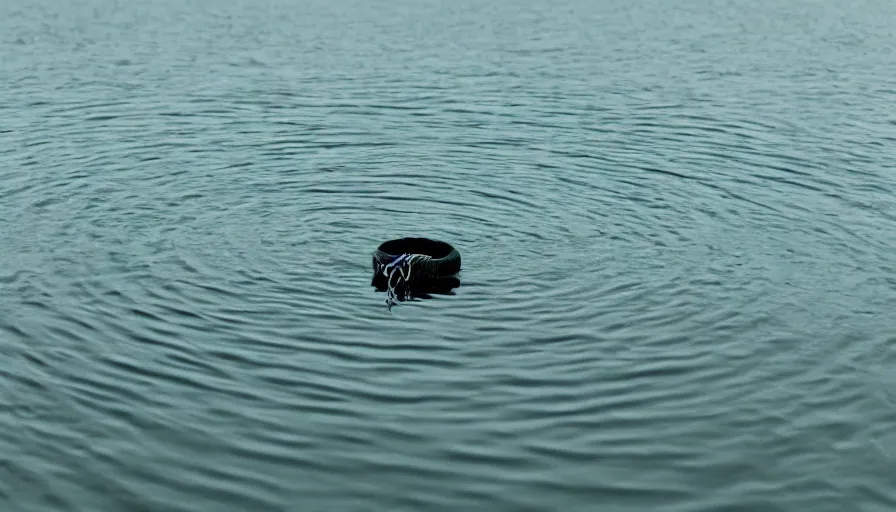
[[677, 222]]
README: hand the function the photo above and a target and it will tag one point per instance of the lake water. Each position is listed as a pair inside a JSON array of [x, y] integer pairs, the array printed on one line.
[[677, 222]]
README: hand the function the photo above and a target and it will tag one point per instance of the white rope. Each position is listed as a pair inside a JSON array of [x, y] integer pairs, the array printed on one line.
[[402, 267]]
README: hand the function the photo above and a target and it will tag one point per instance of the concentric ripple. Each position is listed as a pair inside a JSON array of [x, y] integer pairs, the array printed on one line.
[[676, 222]]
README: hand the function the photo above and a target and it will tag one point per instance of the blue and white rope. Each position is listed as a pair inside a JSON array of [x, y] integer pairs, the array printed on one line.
[[401, 267]]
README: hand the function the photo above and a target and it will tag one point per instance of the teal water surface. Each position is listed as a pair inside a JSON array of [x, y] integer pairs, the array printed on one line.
[[676, 218]]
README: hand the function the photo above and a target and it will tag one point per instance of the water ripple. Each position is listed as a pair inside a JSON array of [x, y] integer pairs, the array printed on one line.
[[675, 222]]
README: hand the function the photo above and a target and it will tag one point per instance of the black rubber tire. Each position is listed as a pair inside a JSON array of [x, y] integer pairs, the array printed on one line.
[[444, 263]]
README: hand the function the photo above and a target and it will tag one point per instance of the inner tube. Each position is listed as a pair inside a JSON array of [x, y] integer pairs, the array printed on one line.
[[413, 266]]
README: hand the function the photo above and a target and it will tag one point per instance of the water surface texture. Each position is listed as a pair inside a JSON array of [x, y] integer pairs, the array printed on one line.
[[677, 220]]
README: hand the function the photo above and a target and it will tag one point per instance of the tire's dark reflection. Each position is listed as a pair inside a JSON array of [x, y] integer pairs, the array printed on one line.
[[420, 290]]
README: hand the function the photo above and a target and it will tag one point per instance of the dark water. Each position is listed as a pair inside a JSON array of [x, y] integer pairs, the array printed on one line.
[[677, 222]]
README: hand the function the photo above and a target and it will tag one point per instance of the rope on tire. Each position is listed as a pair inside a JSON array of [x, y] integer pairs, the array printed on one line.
[[401, 267]]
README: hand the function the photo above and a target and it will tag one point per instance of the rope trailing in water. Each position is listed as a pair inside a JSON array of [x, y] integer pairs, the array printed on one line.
[[400, 267]]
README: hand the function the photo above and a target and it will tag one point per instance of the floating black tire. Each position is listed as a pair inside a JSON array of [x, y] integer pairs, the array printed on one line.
[[434, 268]]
